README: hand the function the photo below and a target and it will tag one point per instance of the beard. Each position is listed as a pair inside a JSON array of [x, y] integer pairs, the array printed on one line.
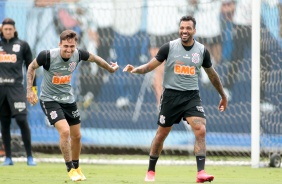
[[185, 40]]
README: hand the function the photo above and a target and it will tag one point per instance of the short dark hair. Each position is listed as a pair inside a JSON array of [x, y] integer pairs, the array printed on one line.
[[188, 18], [67, 35], [11, 22]]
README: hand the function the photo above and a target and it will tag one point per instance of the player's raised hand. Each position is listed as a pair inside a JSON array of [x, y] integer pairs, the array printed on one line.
[[128, 68]]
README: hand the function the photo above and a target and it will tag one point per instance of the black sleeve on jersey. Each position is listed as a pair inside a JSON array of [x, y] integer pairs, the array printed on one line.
[[43, 59], [207, 59], [83, 55], [27, 56], [163, 52]]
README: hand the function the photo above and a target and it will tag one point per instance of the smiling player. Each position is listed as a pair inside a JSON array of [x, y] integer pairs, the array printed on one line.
[[56, 97], [181, 99]]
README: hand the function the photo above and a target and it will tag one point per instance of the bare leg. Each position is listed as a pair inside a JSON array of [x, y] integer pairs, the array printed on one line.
[[156, 149], [198, 125], [158, 141], [199, 128], [65, 145], [75, 141]]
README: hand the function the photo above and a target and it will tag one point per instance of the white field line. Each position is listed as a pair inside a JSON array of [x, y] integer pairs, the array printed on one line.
[[137, 162]]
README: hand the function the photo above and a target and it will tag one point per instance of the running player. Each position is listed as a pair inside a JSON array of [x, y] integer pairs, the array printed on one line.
[[56, 97]]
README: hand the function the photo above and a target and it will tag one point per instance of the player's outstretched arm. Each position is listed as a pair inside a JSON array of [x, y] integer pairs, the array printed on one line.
[[30, 94], [215, 80], [112, 67], [151, 65]]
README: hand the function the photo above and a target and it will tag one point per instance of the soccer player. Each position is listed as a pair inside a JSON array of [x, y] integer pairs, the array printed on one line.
[[14, 53], [181, 99], [56, 97]]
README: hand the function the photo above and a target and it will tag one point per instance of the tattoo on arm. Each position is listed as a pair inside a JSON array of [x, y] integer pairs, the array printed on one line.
[[31, 73], [215, 80], [91, 58], [148, 67], [142, 69], [100, 62]]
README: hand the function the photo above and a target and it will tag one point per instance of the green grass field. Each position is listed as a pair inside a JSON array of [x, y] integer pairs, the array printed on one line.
[[55, 173]]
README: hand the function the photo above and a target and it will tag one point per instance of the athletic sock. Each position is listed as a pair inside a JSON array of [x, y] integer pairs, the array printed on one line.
[[69, 166], [200, 162], [75, 163], [152, 163]]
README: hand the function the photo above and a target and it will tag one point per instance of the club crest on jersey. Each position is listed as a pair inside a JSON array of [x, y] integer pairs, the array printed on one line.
[[75, 113], [195, 57], [72, 66], [16, 47]]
